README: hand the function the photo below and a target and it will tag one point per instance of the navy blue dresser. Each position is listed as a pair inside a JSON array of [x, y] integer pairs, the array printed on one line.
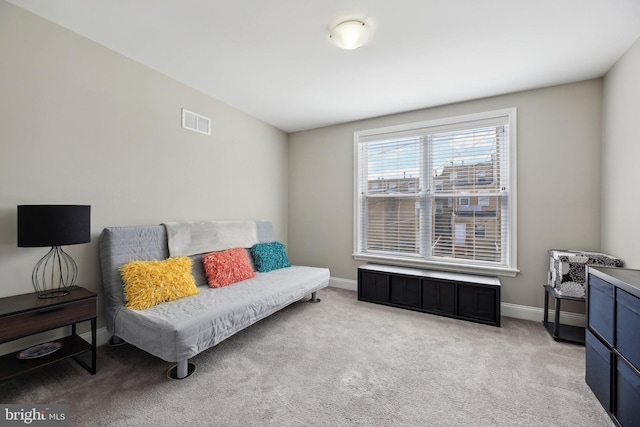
[[613, 341]]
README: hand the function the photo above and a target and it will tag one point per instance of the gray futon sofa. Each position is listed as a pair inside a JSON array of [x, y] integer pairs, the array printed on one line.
[[178, 330]]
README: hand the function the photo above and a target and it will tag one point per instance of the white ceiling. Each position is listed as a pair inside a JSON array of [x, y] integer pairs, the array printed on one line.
[[273, 59]]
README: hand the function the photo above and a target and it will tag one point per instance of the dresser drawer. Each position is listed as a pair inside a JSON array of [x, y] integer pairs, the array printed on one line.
[[600, 305], [627, 394], [39, 320], [598, 369], [628, 326]]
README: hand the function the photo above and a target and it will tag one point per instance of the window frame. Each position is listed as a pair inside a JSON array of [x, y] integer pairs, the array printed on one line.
[[458, 265]]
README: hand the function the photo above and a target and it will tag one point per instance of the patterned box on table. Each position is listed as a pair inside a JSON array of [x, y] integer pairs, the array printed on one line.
[[567, 269]]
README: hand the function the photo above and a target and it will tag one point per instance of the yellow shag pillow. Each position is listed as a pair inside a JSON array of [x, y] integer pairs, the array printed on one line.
[[148, 283]]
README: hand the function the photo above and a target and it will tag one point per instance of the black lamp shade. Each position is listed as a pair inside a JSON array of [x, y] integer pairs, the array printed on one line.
[[53, 225]]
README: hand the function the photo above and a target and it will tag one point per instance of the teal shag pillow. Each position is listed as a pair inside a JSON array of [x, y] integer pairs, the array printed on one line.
[[269, 256]]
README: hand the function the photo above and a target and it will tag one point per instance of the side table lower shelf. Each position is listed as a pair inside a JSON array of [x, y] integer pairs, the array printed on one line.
[[72, 346], [560, 332]]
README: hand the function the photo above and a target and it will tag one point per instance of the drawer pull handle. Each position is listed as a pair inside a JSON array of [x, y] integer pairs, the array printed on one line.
[[47, 310]]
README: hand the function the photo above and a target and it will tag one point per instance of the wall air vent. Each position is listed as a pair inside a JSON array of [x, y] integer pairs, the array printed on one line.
[[196, 122]]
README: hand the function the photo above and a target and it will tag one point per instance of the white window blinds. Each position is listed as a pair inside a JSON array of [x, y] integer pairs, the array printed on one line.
[[440, 191], [391, 181]]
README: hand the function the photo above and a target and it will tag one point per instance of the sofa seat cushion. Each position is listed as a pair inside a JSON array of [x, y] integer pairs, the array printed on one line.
[[181, 329]]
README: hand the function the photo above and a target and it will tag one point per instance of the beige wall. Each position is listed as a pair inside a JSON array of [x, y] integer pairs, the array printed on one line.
[[620, 156], [82, 124], [559, 133]]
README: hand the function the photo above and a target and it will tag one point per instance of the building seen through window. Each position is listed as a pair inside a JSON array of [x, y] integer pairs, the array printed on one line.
[[467, 227]]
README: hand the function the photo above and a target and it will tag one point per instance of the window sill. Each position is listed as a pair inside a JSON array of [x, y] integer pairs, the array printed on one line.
[[435, 265]]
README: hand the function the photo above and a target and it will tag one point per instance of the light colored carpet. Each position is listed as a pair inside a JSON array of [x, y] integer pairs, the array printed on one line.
[[338, 363]]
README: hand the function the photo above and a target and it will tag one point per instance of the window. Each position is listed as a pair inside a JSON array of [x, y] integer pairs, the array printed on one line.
[[449, 194]]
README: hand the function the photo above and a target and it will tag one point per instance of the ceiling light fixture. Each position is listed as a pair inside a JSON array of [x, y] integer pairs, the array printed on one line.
[[350, 35]]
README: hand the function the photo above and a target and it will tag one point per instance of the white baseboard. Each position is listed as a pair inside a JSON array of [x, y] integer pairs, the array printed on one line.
[[506, 309], [350, 285], [537, 314], [102, 336]]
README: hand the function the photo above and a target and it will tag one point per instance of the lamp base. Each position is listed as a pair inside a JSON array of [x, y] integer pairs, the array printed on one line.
[[55, 266], [55, 293]]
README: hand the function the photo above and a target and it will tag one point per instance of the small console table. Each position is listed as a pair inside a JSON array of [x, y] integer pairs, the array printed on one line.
[[25, 315], [559, 332]]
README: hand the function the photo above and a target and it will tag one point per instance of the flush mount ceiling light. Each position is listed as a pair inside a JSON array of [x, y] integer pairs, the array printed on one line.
[[350, 35]]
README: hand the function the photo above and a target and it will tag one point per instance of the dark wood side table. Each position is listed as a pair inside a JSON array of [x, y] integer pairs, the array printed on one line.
[[25, 315], [560, 332]]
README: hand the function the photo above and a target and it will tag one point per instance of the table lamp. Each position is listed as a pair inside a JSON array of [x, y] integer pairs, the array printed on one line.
[[54, 225]]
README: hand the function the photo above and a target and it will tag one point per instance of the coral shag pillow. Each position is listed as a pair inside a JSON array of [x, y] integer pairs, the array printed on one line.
[[227, 267], [269, 256], [148, 283]]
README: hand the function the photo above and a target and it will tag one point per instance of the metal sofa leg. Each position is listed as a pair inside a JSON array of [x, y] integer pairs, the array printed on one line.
[[313, 298], [182, 370]]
